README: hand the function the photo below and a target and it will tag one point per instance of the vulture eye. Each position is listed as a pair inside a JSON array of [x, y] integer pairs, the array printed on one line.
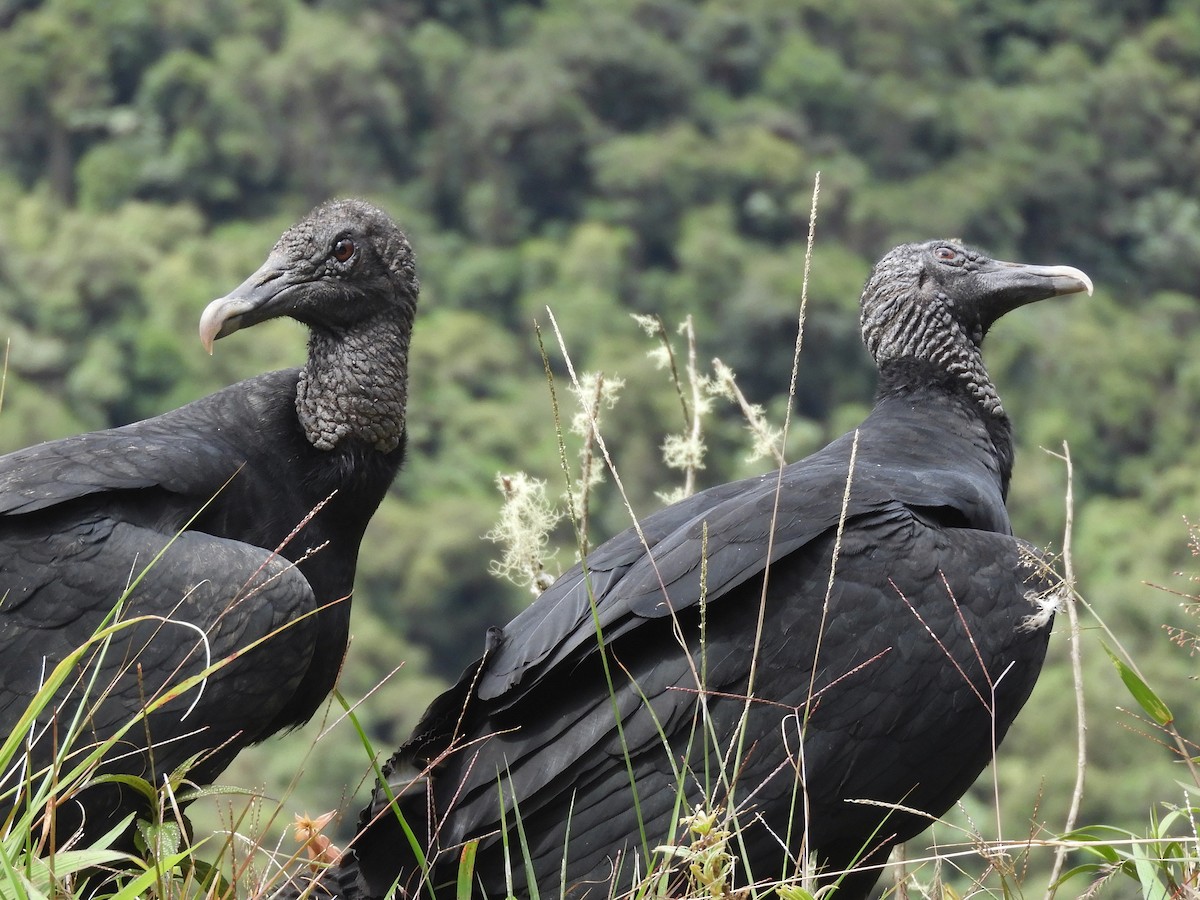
[[343, 250]]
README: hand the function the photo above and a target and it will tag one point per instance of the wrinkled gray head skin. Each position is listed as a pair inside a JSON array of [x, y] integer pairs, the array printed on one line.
[[347, 272], [936, 301], [379, 269], [341, 264]]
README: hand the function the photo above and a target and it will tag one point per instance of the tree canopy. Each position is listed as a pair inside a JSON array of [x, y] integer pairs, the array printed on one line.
[[605, 157]]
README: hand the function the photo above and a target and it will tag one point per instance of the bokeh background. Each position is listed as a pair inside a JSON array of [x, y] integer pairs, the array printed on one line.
[[607, 157]]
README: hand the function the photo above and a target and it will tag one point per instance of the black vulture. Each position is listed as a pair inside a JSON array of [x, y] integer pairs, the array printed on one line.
[[860, 626], [227, 528]]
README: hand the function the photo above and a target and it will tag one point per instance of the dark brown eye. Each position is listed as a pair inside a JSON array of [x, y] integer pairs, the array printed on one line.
[[343, 250]]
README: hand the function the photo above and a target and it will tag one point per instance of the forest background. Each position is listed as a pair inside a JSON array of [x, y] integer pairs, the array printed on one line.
[[607, 157]]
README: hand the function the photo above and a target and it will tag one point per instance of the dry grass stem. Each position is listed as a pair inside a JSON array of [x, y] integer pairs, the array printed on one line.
[[1075, 644], [4, 371]]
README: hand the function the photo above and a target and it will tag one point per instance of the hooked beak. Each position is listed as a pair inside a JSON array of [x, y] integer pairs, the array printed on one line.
[[1009, 285], [260, 297]]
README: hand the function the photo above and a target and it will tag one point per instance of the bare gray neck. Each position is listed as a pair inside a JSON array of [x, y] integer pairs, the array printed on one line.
[[354, 387], [896, 329], [963, 361]]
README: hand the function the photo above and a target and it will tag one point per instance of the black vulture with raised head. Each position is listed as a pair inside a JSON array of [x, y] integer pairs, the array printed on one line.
[[861, 626], [230, 526]]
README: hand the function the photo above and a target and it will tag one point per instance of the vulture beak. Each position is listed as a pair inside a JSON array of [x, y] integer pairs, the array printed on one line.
[[1008, 285], [260, 297]]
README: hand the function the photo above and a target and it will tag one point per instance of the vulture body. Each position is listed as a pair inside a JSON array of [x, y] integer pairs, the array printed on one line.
[[860, 626], [225, 530]]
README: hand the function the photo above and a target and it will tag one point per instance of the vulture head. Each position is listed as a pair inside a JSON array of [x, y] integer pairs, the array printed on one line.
[[919, 294], [341, 265], [934, 303], [347, 272]]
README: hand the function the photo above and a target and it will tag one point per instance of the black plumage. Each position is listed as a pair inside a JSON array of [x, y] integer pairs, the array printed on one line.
[[235, 519], [890, 680]]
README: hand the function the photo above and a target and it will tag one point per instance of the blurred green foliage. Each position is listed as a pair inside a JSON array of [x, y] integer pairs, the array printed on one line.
[[601, 157]]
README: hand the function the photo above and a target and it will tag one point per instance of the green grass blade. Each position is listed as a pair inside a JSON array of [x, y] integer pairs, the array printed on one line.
[[466, 870], [1149, 701]]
